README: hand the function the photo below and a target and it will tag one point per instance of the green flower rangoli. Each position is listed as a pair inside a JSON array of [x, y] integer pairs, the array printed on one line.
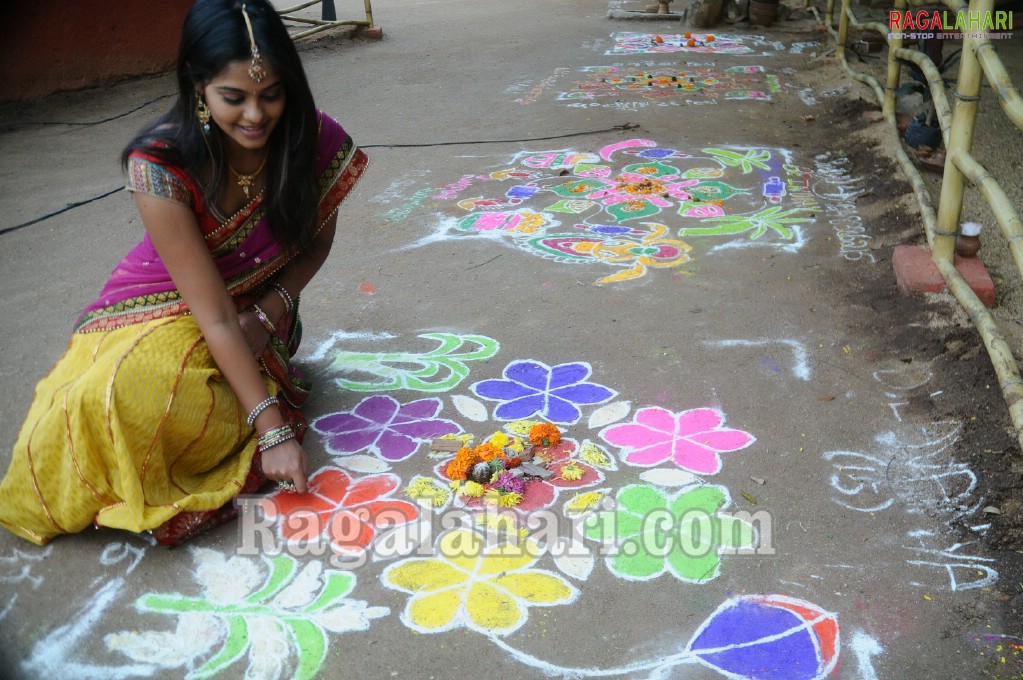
[[683, 533]]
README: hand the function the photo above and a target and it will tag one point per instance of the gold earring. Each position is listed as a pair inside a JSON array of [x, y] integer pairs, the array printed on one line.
[[202, 112]]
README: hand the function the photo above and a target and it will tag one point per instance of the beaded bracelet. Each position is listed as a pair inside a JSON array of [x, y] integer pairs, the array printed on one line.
[[274, 436], [289, 302], [264, 319], [270, 445], [260, 407], [275, 432]]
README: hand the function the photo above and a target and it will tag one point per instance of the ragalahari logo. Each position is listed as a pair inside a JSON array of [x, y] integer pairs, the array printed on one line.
[[926, 24]]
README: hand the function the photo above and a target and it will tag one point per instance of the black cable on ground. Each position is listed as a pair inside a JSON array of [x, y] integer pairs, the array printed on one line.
[[69, 206], [94, 122], [616, 128]]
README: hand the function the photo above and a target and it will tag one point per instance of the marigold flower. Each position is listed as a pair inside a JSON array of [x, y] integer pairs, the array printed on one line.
[[457, 469], [487, 452], [584, 501], [691, 43], [510, 500], [571, 471], [688, 35], [466, 456], [473, 489], [423, 487], [513, 462], [544, 434], [709, 38], [499, 440]]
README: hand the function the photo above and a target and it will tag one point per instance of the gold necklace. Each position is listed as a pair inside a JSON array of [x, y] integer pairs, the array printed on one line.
[[245, 182]]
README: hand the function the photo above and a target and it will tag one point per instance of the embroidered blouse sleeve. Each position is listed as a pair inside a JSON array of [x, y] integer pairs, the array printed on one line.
[[147, 177]]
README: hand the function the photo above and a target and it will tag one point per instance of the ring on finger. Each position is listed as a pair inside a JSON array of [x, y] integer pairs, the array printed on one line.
[[285, 485]]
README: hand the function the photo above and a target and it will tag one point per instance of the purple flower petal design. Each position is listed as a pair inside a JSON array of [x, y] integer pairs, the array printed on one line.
[[521, 409], [532, 374], [502, 390], [384, 427], [567, 375], [584, 393], [531, 388]]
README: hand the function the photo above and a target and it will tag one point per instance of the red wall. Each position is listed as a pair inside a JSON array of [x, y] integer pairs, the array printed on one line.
[[51, 45]]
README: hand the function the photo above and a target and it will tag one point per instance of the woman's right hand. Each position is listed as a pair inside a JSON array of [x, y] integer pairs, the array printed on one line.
[[256, 336], [287, 462]]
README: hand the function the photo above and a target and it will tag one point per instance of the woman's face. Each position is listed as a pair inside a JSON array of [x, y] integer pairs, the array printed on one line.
[[244, 110]]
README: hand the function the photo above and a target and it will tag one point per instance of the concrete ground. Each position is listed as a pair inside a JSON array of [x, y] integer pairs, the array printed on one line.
[[694, 283]]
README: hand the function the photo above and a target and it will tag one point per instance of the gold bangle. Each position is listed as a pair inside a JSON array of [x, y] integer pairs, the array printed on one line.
[[289, 302], [264, 319]]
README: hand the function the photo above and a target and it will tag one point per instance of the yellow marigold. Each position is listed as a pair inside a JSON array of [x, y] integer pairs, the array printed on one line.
[[516, 445], [473, 489], [499, 440], [584, 501], [423, 487], [544, 434], [592, 454], [571, 471], [464, 437], [510, 500]]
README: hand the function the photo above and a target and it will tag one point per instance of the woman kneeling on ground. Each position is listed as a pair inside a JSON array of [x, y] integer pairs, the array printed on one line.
[[175, 393]]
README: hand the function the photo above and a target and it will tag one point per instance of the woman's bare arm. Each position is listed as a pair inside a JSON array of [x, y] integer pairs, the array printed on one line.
[[297, 274], [175, 233]]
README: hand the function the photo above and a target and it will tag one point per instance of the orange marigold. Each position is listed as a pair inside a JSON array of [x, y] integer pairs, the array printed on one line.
[[463, 462], [457, 470], [486, 452], [709, 38], [544, 434]]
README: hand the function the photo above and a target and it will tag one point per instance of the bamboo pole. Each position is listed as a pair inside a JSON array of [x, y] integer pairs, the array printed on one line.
[[934, 83], [894, 68], [843, 27], [999, 351], [323, 23], [1002, 207], [959, 141], [1008, 96]]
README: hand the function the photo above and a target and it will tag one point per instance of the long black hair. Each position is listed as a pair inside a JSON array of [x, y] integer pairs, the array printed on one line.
[[213, 36]]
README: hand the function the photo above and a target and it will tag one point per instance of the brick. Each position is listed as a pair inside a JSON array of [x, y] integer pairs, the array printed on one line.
[[916, 272]]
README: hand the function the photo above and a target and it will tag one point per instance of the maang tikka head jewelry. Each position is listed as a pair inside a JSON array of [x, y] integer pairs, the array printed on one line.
[[256, 70], [202, 112]]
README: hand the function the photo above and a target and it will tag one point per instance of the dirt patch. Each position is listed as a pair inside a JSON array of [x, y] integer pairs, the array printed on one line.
[[934, 331]]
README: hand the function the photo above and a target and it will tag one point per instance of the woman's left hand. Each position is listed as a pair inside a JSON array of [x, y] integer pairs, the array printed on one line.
[[256, 336]]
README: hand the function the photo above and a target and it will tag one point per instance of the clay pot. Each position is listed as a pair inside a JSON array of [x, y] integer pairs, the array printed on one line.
[[967, 246], [763, 13]]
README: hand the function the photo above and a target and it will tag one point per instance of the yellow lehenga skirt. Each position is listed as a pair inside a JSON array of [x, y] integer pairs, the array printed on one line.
[[131, 427]]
